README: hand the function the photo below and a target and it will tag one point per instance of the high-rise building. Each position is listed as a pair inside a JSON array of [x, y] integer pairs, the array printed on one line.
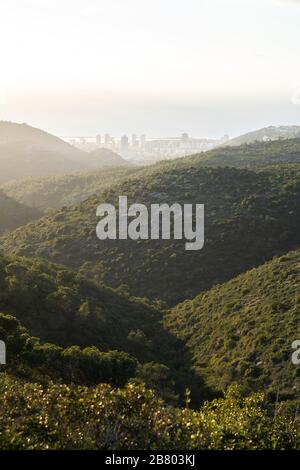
[[185, 137], [107, 139], [134, 141], [143, 140], [124, 143]]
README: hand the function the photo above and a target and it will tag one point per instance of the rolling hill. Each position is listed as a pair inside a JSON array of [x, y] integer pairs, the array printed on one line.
[[107, 158], [237, 332], [60, 307], [29, 152], [29, 358], [53, 192], [249, 218], [242, 331], [267, 133], [253, 155]]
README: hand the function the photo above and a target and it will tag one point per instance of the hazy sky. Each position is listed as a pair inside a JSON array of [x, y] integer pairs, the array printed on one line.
[[159, 66]]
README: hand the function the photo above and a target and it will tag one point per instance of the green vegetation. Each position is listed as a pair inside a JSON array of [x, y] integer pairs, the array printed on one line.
[[249, 218], [32, 360], [253, 155], [54, 192], [58, 306], [123, 359], [63, 308], [242, 331], [14, 214], [33, 417]]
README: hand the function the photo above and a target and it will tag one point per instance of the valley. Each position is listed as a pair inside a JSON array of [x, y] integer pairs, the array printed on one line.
[[129, 318]]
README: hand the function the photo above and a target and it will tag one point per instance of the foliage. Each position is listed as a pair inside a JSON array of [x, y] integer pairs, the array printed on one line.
[[63, 417], [13, 214], [65, 309], [55, 192], [249, 218], [242, 331], [57, 392], [254, 154], [28, 358]]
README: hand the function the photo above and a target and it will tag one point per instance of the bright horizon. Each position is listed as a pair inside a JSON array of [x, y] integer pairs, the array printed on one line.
[[206, 67]]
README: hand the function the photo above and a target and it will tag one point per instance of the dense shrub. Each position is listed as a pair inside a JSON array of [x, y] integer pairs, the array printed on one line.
[[242, 331], [62, 417], [27, 357]]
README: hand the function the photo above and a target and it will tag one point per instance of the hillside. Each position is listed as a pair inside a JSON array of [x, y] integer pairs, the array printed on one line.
[[29, 152], [253, 155], [242, 331], [267, 133], [12, 133], [28, 358], [108, 158], [57, 306], [54, 192], [14, 214], [249, 218], [62, 308]]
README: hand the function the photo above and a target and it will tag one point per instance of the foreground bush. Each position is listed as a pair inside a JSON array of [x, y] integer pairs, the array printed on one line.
[[63, 417]]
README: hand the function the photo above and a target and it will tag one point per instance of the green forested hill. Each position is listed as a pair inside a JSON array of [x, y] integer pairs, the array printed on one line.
[[91, 335], [54, 192], [253, 155], [245, 328], [60, 307], [30, 359], [13, 214], [242, 331], [249, 217]]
